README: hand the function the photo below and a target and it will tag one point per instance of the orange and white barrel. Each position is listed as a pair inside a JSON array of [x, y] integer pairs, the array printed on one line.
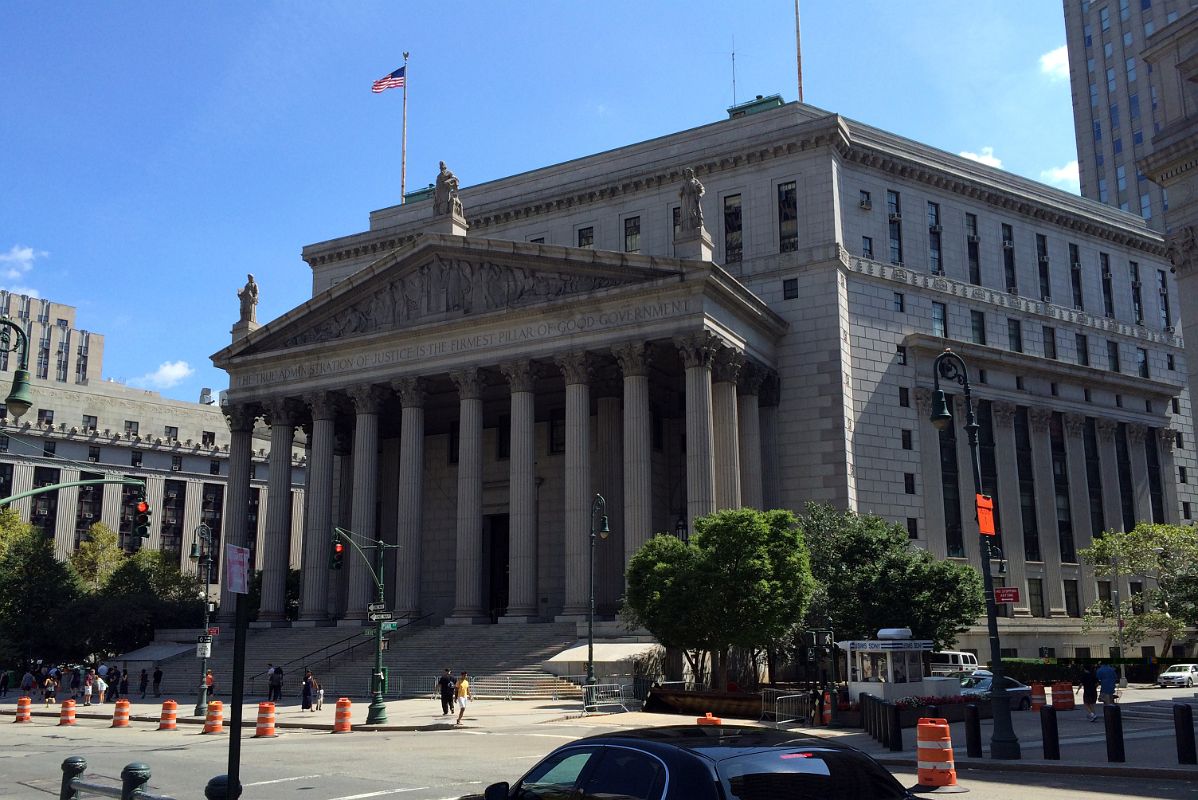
[[1062, 696], [170, 715], [24, 710], [1038, 701], [214, 722], [826, 715], [342, 724], [120, 714], [66, 715], [934, 754], [266, 721]]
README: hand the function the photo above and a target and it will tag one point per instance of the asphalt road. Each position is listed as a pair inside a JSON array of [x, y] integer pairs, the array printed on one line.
[[422, 765]]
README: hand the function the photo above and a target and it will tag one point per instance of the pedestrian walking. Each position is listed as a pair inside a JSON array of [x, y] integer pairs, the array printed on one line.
[[76, 682], [27, 682], [3, 683], [308, 691], [446, 686], [89, 681], [1106, 683], [463, 695], [210, 682], [143, 682], [113, 679], [101, 688], [1089, 686], [157, 681], [274, 680], [319, 696], [125, 683], [50, 690]]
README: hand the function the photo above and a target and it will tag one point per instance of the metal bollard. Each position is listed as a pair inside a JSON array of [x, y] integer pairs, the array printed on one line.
[[218, 789], [896, 728], [1183, 725], [931, 712], [134, 778], [72, 768], [973, 731], [1049, 733], [1112, 718]]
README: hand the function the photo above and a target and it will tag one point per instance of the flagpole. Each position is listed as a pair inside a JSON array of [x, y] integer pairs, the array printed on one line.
[[798, 52], [403, 155]]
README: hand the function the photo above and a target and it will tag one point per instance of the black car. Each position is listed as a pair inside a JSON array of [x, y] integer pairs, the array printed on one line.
[[703, 762]]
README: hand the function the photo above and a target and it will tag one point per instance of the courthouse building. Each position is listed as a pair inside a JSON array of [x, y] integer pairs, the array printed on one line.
[[475, 367]]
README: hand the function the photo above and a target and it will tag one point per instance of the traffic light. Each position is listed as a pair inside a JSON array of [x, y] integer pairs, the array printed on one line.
[[141, 517], [338, 556]]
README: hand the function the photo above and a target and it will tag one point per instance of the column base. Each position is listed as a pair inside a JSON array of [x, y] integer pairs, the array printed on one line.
[[312, 623], [468, 620], [519, 619]]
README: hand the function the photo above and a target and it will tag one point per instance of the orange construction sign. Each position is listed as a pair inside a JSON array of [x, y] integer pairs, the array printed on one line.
[[985, 514]]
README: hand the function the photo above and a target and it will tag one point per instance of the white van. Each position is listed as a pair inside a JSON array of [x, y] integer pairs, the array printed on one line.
[[950, 661]]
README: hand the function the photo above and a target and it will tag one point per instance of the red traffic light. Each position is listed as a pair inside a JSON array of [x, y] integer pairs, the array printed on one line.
[[338, 547], [142, 506]]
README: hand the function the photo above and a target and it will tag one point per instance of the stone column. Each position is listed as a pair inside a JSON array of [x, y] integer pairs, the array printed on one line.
[[368, 402], [608, 480], [522, 491], [1165, 442], [749, 423], [1139, 470], [1079, 497], [965, 486], [726, 427], [633, 358], [698, 352], [576, 368], [771, 481], [1108, 456], [237, 493], [68, 511], [411, 488], [468, 603], [1046, 511], [275, 553], [1002, 415], [933, 488], [318, 528]]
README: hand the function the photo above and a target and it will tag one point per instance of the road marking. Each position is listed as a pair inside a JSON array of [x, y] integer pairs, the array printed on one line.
[[551, 736], [380, 793], [282, 780]]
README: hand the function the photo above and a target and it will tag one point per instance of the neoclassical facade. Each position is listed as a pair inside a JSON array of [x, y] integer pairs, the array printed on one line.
[[468, 382]]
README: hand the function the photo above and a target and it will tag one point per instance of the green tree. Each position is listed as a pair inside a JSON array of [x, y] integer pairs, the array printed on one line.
[[1165, 559], [742, 581], [35, 589], [869, 577], [12, 529], [98, 557]]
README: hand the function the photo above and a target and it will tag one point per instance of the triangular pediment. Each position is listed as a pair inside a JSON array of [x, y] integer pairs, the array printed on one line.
[[443, 278]]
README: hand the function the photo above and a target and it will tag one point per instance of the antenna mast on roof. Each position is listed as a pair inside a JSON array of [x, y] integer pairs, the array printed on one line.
[[798, 51], [734, 69]]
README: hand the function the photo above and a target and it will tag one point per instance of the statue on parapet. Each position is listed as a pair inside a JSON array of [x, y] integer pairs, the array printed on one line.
[[691, 213], [248, 295], [445, 194]]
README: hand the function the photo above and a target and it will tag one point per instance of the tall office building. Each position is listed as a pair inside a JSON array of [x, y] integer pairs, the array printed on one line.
[[1116, 106]]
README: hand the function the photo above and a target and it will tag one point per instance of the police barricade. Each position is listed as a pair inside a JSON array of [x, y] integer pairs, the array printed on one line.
[[792, 709], [604, 695]]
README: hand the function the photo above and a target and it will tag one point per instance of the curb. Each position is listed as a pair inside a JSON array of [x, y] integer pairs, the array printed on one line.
[[1070, 768], [251, 723]]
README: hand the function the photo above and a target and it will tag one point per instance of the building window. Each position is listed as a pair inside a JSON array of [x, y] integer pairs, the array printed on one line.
[[45, 416], [1112, 356], [1042, 262], [557, 431], [1008, 259], [1050, 342], [176, 463], [49, 448], [1082, 343], [939, 319], [1127, 497], [1169, 363], [901, 355], [790, 288], [909, 482], [934, 229], [632, 235], [977, 326], [1027, 485], [950, 490], [972, 241], [207, 439], [895, 217], [904, 397], [1176, 403], [1035, 596], [867, 246], [1093, 477], [733, 239], [135, 458], [1072, 605], [586, 236], [676, 221], [130, 427], [1182, 475], [905, 437], [1108, 296], [1015, 335], [214, 467], [1060, 477], [1137, 305], [171, 433], [1185, 510], [788, 218], [912, 528], [1162, 289], [1156, 490], [4, 448], [900, 304], [1075, 275], [866, 202], [93, 453], [1142, 362], [90, 423]]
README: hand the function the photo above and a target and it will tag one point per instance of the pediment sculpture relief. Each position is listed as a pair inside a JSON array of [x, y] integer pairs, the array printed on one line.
[[449, 287]]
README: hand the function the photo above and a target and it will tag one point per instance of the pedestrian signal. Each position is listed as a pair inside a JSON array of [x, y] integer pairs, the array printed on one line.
[[141, 518], [338, 556]]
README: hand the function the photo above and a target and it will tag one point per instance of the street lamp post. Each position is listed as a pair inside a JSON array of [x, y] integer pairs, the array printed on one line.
[[950, 366], [201, 552], [1118, 621], [598, 506], [20, 398]]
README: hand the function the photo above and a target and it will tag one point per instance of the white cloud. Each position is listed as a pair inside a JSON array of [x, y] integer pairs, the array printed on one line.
[[1055, 64], [18, 261], [168, 374], [25, 290], [986, 157], [1065, 177]]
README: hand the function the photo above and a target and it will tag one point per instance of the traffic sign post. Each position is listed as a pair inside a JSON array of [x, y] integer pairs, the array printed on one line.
[[381, 616], [1006, 594], [376, 607]]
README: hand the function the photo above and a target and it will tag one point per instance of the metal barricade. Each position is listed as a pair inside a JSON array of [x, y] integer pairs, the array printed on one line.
[[791, 709], [601, 695], [134, 777]]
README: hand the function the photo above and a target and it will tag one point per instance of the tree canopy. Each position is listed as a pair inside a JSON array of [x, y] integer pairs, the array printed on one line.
[[99, 556], [743, 580]]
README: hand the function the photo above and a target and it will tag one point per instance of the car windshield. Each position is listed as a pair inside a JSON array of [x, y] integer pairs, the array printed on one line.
[[975, 681], [807, 774], [1178, 668]]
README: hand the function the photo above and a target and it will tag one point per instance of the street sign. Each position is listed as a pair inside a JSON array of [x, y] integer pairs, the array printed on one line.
[[204, 650], [213, 631], [237, 568], [390, 626], [1006, 594], [985, 508], [381, 615], [203, 637], [376, 607]]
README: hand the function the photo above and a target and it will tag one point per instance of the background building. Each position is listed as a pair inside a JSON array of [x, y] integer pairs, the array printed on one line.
[[1117, 105], [82, 427], [842, 260]]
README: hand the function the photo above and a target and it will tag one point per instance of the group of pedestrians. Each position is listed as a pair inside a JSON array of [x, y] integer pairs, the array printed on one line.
[[454, 693], [1097, 684], [101, 683]]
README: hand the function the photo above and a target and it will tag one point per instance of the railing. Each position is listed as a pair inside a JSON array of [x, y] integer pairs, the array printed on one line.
[[134, 777], [601, 695], [785, 709], [507, 687]]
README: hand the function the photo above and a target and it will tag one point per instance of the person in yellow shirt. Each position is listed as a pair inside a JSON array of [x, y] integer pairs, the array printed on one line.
[[463, 696]]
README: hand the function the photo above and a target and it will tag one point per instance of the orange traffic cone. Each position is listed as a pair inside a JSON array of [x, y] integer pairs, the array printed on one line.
[[66, 716], [214, 721], [266, 721], [934, 757], [341, 723], [24, 710], [170, 713], [120, 714]]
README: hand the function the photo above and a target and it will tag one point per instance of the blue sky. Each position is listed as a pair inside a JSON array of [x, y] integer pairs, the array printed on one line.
[[151, 154]]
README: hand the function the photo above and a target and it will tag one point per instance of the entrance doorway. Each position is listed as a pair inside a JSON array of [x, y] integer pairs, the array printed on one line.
[[495, 556]]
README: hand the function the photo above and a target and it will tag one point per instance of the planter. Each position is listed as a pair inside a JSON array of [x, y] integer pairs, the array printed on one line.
[[739, 705]]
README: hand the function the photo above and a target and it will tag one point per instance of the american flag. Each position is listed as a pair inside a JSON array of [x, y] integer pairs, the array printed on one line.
[[392, 81]]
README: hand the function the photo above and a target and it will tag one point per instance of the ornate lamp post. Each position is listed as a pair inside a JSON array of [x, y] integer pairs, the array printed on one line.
[[1118, 621], [598, 506], [951, 367], [20, 398], [201, 552]]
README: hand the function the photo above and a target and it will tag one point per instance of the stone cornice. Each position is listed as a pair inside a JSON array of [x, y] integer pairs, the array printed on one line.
[[1002, 302]]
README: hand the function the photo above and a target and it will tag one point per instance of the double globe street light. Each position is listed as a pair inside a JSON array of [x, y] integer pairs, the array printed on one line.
[[951, 367], [598, 506]]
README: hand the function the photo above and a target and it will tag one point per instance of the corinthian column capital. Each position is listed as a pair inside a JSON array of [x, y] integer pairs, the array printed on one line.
[[633, 358], [368, 398], [411, 391], [469, 382], [521, 375], [241, 416], [575, 366], [697, 349]]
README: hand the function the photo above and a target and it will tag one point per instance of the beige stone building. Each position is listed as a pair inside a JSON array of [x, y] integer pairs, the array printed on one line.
[[474, 370]]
